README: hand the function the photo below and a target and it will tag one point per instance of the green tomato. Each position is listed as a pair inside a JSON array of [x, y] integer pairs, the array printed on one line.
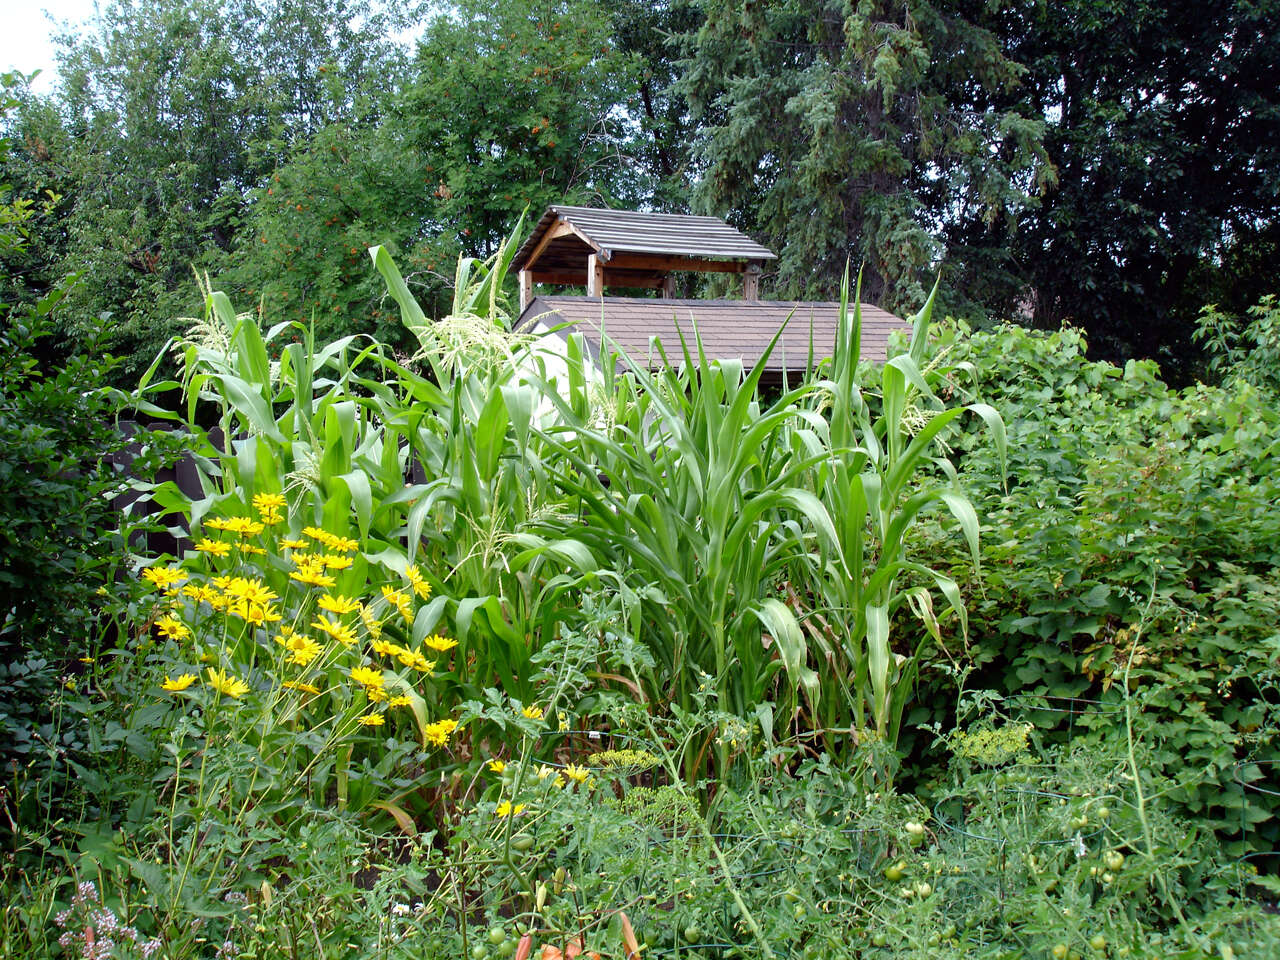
[[506, 948], [1098, 942], [692, 934], [522, 842], [479, 952], [1114, 859], [879, 940], [894, 872], [1060, 951], [497, 935]]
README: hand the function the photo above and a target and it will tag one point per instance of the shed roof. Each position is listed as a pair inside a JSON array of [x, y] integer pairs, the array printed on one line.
[[729, 328], [630, 231]]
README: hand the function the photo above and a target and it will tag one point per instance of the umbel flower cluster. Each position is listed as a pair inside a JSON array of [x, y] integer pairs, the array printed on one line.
[[297, 621]]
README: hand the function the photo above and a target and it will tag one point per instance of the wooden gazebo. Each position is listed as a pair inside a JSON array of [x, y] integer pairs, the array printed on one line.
[[584, 246]]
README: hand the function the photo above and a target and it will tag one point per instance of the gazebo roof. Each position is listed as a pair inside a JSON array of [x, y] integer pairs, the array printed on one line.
[[564, 235]]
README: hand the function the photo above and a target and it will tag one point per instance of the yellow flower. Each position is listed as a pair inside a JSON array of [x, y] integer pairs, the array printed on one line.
[[375, 694], [385, 648], [532, 712], [214, 523], [163, 577], [254, 613], [505, 809], [173, 628], [268, 501], [315, 533], [564, 720], [367, 676], [496, 765], [371, 623], [243, 526], [333, 561], [372, 720], [250, 591], [226, 684], [398, 600], [294, 544], [200, 593], [342, 543], [298, 685], [302, 649], [576, 774], [437, 733], [412, 658], [213, 547], [338, 605], [312, 576], [177, 686], [250, 549], [420, 586], [439, 644], [399, 702], [344, 635]]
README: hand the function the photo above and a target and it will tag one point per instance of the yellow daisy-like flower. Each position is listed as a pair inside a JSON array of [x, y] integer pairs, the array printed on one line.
[[162, 578], [264, 502], [173, 628], [255, 613], [414, 659], [214, 523], [226, 684], [302, 649], [243, 526], [372, 720], [437, 733], [367, 676], [177, 686], [505, 809], [288, 544], [214, 548], [333, 561], [313, 576], [251, 550], [577, 774], [304, 687], [250, 591], [399, 601], [496, 765], [420, 586], [271, 518], [532, 712], [439, 644], [375, 694], [343, 543], [385, 648], [400, 701], [338, 605], [343, 634], [200, 593]]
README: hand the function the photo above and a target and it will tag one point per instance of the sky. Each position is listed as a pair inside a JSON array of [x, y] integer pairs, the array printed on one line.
[[26, 35]]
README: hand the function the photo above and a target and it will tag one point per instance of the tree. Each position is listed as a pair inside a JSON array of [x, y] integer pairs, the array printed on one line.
[[1166, 138], [843, 129]]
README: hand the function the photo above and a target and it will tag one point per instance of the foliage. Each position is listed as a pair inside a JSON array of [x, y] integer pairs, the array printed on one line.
[[1244, 348], [845, 130]]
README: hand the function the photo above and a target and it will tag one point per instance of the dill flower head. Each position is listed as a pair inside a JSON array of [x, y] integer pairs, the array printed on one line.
[[226, 684], [177, 686]]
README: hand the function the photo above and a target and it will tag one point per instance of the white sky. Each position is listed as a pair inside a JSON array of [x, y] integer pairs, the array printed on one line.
[[26, 34]]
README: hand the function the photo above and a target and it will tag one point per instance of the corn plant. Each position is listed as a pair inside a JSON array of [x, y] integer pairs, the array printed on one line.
[[881, 472]]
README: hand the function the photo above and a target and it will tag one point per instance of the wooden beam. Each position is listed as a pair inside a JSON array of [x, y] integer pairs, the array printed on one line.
[[595, 276], [669, 286], [751, 281], [526, 290], [666, 263], [560, 229]]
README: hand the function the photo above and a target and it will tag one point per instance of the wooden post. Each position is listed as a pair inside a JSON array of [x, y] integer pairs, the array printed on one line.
[[751, 282], [526, 289], [669, 287], [595, 276]]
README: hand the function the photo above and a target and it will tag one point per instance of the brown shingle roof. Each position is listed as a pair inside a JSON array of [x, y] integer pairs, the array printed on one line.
[[629, 231], [729, 328]]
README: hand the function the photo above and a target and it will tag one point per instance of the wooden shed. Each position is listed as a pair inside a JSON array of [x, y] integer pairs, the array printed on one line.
[[596, 249]]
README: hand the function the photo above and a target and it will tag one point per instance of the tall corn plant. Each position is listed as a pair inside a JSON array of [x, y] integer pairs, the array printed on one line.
[[690, 489], [882, 472]]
